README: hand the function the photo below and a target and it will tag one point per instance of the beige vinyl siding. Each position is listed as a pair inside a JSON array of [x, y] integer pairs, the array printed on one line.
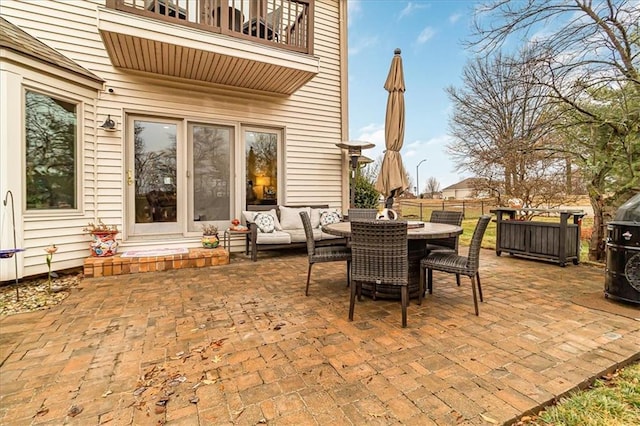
[[310, 118], [38, 229]]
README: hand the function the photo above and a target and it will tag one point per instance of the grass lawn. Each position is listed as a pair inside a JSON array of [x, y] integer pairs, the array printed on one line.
[[613, 400]]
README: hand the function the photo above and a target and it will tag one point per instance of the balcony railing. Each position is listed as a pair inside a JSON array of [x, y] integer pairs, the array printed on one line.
[[283, 23]]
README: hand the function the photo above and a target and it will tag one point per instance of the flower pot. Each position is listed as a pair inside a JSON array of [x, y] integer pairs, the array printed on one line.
[[210, 241], [104, 243]]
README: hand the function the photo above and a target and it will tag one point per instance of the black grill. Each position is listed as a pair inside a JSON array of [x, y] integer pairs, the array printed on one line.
[[622, 279]]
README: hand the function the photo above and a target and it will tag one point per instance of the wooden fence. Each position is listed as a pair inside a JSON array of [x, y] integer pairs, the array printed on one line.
[[421, 208]]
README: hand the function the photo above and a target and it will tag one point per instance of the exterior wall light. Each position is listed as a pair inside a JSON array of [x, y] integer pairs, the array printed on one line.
[[109, 124]]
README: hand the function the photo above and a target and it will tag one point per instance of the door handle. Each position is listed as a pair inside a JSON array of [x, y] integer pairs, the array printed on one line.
[[129, 177]]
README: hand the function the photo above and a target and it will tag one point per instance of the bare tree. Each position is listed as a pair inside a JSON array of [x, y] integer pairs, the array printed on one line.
[[433, 187], [411, 183], [590, 56], [500, 117], [371, 170]]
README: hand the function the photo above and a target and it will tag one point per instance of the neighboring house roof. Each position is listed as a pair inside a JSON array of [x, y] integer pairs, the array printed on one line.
[[14, 38], [468, 183]]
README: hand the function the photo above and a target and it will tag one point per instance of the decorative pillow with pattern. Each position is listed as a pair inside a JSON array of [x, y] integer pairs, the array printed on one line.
[[329, 217], [265, 222]]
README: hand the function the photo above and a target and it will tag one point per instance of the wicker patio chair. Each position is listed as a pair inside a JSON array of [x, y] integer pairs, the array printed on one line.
[[331, 253], [450, 218], [357, 214], [455, 264], [379, 256], [447, 245]]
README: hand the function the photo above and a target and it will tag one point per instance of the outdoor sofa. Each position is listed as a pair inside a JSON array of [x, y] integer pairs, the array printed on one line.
[[282, 227]]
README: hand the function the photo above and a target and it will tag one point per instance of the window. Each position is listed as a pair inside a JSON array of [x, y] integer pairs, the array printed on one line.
[[262, 167], [51, 152], [210, 147]]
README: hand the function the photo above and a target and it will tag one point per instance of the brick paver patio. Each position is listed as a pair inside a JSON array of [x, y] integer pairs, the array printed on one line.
[[241, 344]]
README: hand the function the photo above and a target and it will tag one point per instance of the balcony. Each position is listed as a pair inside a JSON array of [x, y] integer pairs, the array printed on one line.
[[259, 45]]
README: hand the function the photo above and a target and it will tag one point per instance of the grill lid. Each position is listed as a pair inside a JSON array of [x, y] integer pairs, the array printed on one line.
[[629, 211]]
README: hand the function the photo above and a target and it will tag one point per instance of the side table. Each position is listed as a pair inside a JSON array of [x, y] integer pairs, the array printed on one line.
[[230, 234]]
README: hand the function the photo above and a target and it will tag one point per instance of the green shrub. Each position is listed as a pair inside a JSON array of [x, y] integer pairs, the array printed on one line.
[[366, 196]]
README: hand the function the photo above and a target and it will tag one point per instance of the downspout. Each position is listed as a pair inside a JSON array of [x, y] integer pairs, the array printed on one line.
[[344, 94], [95, 157]]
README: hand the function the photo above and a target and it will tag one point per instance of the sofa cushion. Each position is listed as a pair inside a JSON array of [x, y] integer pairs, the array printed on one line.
[[248, 216], [297, 235], [290, 217], [315, 217], [265, 222], [275, 237]]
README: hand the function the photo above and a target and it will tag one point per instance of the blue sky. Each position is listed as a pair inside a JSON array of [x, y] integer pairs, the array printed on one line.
[[429, 33]]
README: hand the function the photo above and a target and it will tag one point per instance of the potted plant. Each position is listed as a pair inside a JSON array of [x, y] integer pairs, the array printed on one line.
[[104, 239], [210, 236]]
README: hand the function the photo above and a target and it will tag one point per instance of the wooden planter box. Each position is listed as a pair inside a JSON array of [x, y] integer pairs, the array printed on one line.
[[555, 241]]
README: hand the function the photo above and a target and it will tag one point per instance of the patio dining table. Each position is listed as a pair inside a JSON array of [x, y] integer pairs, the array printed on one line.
[[418, 233]]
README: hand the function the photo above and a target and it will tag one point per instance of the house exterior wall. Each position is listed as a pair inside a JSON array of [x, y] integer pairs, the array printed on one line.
[[458, 194], [311, 121]]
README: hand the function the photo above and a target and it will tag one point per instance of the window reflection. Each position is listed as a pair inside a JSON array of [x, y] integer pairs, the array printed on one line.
[[51, 145], [155, 172], [262, 167], [211, 173]]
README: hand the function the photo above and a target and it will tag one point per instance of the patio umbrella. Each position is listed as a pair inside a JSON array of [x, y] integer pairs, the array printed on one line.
[[392, 179]]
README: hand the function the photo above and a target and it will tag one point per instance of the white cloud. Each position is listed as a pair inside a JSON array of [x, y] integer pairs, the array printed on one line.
[[373, 133], [425, 35], [354, 6], [454, 18], [354, 9], [440, 140], [361, 44], [410, 8]]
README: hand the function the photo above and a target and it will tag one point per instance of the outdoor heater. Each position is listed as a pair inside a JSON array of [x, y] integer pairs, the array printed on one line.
[[354, 149], [622, 280]]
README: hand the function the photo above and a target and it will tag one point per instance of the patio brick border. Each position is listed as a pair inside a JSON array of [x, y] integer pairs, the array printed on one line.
[[117, 265]]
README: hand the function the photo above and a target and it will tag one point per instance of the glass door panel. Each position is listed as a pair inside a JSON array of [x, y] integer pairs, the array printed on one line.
[[261, 149], [210, 167], [154, 176]]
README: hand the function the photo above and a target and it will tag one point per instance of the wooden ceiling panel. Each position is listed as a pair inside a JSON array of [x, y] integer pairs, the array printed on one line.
[[173, 60]]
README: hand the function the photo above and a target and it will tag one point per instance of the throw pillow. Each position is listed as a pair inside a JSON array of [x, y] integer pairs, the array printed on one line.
[[273, 214], [290, 217], [265, 222], [250, 216], [329, 217]]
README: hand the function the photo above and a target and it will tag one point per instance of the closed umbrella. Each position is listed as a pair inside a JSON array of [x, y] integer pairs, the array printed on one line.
[[392, 179]]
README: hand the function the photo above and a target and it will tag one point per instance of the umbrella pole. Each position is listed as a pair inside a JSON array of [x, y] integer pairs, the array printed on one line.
[[389, 202]]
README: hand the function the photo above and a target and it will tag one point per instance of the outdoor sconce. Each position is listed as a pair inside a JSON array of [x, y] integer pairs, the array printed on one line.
[[109, 124], [354, 148]]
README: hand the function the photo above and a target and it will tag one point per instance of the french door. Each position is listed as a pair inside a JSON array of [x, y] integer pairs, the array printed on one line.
[[178, 176], [210, 178], [153, 177]]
